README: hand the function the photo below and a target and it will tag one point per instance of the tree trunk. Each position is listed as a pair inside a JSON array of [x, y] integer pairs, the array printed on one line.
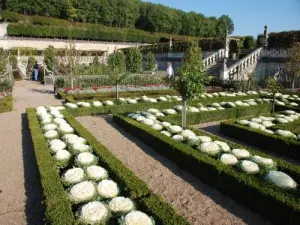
[[273, 104], [117, 91], [293, 83], [184, 113], [72, 82]]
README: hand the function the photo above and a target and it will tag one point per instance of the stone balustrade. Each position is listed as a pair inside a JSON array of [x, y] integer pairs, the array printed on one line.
[[245, 64], [213, 59]]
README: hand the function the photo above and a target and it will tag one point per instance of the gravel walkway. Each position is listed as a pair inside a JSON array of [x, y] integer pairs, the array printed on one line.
[[20, 190], [199, 203]]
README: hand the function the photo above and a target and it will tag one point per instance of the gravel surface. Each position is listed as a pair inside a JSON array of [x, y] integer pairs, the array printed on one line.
[[20, 190], [198, 202]]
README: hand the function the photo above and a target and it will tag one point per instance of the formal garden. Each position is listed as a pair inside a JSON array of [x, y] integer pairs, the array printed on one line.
[[84, 182]]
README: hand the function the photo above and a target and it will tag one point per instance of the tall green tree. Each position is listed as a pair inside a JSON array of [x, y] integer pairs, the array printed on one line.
[[224, 23], [293, 65], [192, 77], [134, 60], [49, 58]]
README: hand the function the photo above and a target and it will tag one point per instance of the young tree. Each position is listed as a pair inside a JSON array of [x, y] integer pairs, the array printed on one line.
[[3, 60], [293, 64], [134, 60], [72, 61], [117, 69], [49, 58], [273, 86], [150, 61], [192, 77]]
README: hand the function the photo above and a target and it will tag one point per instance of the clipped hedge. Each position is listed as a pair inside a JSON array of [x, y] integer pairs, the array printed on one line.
[[6, 104], [58, 207], [136, 188], [274, 143], [284, 39], [218, 115], [278, 205]]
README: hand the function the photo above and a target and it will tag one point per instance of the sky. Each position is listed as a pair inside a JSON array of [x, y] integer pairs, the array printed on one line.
[[249, 17]]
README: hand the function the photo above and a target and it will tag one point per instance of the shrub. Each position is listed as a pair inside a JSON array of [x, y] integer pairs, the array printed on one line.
[[9, 16], [278, 205]]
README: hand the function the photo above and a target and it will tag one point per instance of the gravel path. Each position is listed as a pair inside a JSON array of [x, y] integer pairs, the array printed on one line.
[[214, 128], [20, 190], [199, 203]]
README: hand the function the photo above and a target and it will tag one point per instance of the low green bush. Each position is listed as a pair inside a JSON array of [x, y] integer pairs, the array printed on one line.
[[274, 143], [280, 206], [137, 189], [58, 207], [218, 115], [6, 104]]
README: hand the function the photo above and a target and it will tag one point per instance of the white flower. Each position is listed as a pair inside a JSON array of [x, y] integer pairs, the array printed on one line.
[[165, 124], [243, 122], [178, 107], [187, 133], [82, 192], [108, 189], [204, 139], [289, 112], [256, 120], [73, 176], [150, 116], [159, 114], [249, 167], [86, 104], [175, 129], [66, 128], [148, 122], [157, 126], [152, 100], [193, 109], [109, 103], [203, 109], [140, 118], [294, 104], [50, 126], [169, 111], [46, 121], [86, 159], [79, 148], [281, 180], [285, 133], [269, 131], [229, 159], [96, 173], [224, 146], [255, 125], [75, 139], [97, 104], [137, 218], [163, 99], [241, 153], [59, 121], [231, 104], [121, 205], [62, 155], [132, 101], [93, 213], [178, 138], [193, 140], [265, 162], [67, 136], [167, 133], [216, 105], [71, 105], [210, 148], [267, 124], [56, 145], [153, 110], [51, 134]]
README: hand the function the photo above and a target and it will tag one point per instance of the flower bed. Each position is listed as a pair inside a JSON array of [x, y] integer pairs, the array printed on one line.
[[6, 104], [63, 187], [278, 204], [287, 146]]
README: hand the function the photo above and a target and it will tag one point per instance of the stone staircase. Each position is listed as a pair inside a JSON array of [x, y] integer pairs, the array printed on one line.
[[215, 70]]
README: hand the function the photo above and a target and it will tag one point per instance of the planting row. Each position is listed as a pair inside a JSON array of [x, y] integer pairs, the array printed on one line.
[[91, 194], [244, 174], [6, 104]]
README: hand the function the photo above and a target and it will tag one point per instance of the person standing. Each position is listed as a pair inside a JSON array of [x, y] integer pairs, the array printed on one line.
[[36, 71], [170, 71]]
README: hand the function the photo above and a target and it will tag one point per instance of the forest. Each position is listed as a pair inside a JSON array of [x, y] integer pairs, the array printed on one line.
[[126, 14]]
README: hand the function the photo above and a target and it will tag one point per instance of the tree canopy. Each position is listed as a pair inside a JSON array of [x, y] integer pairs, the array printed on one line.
[[127, 14]]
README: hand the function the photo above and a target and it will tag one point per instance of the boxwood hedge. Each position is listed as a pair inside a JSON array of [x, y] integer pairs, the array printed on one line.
[[59, 208], [6, 104], [274, 143], [280, 206]]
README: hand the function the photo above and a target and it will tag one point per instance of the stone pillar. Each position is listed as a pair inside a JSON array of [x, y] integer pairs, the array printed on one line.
[[224, 74], [227, 40]]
